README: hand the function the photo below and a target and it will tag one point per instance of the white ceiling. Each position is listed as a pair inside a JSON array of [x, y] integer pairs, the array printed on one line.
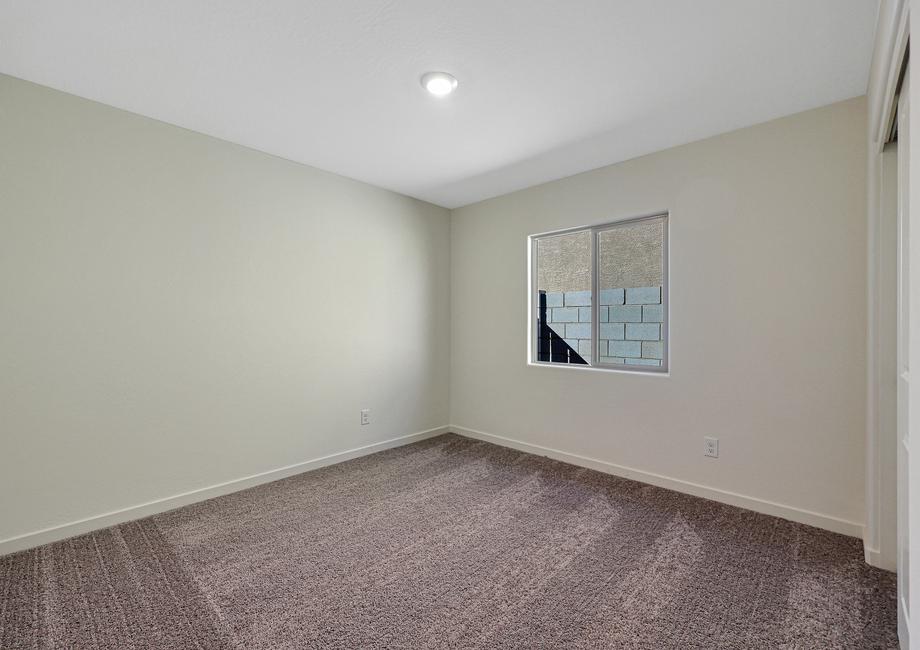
[[548, 88]]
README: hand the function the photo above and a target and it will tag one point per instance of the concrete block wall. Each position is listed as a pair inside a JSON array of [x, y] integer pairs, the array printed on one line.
[[629, 327]]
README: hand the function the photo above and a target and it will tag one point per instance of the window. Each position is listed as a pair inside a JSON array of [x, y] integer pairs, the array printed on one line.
[[623, 264]]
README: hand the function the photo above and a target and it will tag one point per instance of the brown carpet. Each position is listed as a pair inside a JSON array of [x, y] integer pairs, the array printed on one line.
[[449, 543]]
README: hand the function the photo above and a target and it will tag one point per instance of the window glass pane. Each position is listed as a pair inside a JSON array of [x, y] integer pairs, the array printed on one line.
[[564, 298], [630, 279]]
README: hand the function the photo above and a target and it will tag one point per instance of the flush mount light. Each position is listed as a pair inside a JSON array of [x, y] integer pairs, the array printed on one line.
[[439, 84]]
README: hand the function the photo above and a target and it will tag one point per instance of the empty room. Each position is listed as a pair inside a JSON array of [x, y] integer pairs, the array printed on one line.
[[371, 324]]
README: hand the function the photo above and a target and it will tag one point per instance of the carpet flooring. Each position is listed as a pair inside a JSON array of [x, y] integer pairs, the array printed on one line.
[[449, 543]]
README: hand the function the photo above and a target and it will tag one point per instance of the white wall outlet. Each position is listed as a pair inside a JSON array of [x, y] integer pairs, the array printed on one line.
[[365, 416], [711, 447]]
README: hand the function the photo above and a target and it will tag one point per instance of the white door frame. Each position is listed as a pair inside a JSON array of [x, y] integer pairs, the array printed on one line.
[[905, 343], [913, 344], [894, 26], [880, 532]]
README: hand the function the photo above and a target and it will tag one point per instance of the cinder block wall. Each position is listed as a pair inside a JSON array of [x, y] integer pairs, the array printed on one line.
[[630, 324]]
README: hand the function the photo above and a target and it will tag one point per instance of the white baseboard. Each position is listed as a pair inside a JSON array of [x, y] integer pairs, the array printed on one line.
[[871, 555], [63, 531], [875, 558], [816, 519]]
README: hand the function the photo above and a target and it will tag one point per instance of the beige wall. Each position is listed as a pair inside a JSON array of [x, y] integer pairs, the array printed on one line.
[[164, 327], [177, 311], [768, 327]]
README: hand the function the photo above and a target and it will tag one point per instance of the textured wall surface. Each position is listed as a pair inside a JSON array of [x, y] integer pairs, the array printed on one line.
[[629, 256], [630, 330]]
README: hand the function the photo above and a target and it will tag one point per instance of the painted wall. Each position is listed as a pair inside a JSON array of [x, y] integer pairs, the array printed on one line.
[[768, 326], [177, 311]]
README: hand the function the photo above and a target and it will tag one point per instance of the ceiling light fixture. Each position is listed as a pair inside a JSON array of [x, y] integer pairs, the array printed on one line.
[[439, 84]]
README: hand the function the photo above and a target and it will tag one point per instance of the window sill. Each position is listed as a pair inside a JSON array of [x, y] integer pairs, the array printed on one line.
[[632, 370]]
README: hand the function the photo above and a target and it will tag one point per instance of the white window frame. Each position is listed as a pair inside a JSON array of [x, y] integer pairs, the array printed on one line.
[[595, 230]]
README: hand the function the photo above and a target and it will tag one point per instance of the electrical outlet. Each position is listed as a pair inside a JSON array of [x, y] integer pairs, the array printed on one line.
[[711, 447], [365, 416]]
